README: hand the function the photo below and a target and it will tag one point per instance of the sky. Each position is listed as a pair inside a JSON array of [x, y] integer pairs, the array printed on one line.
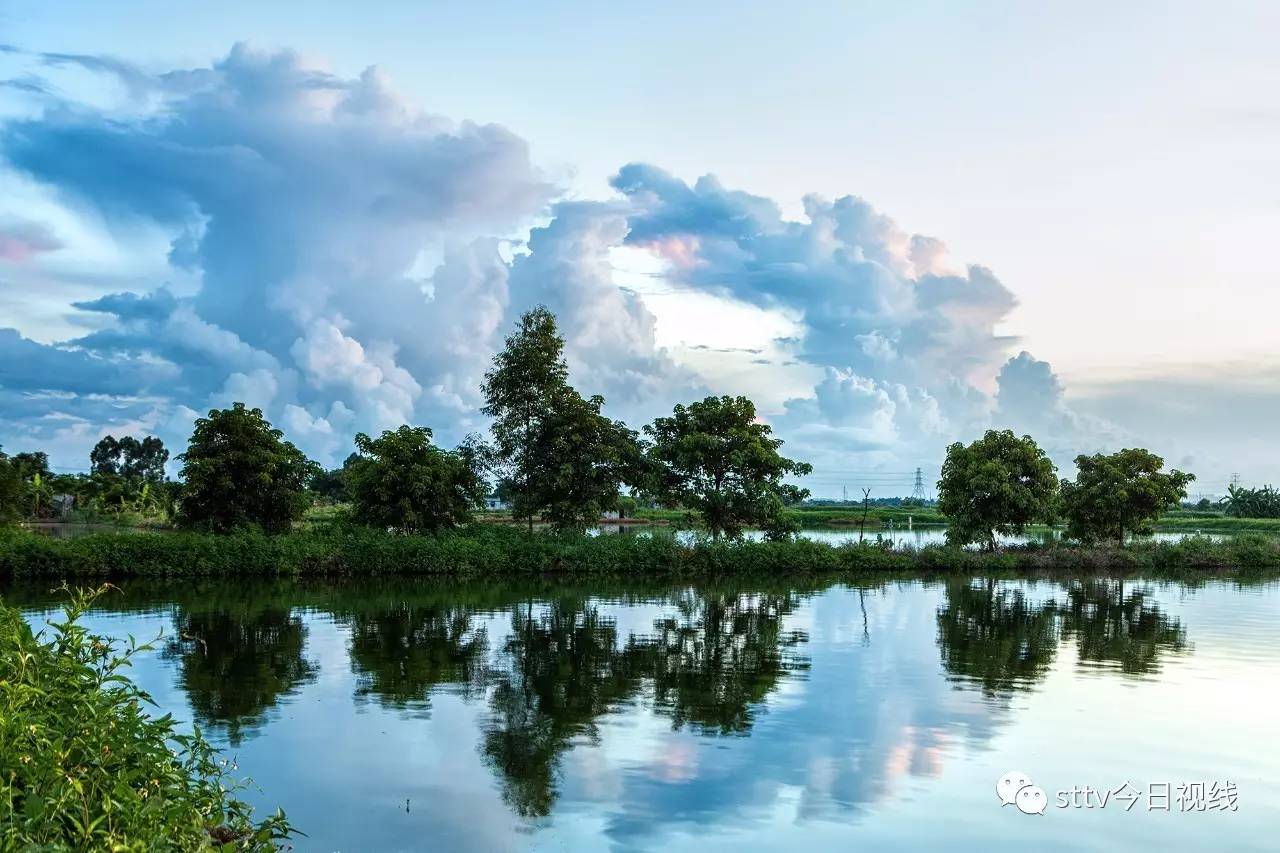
[[892, 225]]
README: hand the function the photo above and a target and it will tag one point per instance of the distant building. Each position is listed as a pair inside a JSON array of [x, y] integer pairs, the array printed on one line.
[[493, 502], [610, 515], [62, 505]]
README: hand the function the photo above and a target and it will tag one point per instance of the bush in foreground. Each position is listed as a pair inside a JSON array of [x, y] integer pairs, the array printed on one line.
[[84, 767]]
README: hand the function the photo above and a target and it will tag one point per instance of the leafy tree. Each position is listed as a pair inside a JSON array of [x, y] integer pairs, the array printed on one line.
[[128, 474], [240, 472], [585, 458], [332, 484], [34, 477], [998, 484], [32, 464], [1242, 502], [402, 481], [11, 503], [527, 379], [130, 458], [560, 458], [1119, 493], [715, 458]]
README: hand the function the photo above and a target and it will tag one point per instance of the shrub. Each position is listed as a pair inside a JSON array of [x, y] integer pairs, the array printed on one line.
[[85, 767]]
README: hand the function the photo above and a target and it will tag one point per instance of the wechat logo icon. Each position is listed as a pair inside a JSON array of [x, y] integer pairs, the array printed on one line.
[[1015, 788]]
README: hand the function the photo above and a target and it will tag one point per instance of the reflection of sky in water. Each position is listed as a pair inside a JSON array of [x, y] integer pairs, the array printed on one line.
[[864, 738]]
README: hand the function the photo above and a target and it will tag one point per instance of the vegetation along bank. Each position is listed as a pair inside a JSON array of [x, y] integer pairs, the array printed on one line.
[[487, 550]]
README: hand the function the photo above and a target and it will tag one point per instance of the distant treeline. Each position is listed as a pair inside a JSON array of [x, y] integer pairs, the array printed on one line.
[[554, 458]]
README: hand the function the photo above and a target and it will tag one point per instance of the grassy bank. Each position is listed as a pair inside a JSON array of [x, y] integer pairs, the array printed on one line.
[[85, 767], [1217, 524], [489, 550]]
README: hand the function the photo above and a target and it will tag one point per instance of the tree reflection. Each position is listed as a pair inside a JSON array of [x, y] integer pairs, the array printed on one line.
[[563, 669], [715, 661], [710, 665], [235, 662], [1112, 625], [399, 654], [996, 637]]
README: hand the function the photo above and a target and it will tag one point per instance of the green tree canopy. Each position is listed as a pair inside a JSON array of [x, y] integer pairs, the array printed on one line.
[[997, 485], [1243, 502], [240, 472], [126, 473], [559, 457], [1118, 493], [527, 379], [11, 502], [713, 457], [130, 458], [586, 457], [401, 480], [332, 484]]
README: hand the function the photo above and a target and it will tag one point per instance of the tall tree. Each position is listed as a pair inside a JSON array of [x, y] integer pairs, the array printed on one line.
[[559, 457], [527, 378], [240, 472], [712, 456], [998, 484], [401, 480], [1119, 493]]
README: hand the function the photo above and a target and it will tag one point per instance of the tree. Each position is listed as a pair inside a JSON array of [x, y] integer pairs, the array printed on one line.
[[715, 458], [560, 458], [584, 459], [1119, 493], [11, 502], [331, 485], [1242, 502], [130, 458], [127, 473], [401, 480], [998, 484], [526, 380], [240, 472]]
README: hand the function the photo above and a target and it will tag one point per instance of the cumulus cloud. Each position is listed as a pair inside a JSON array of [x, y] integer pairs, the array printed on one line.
[[908, 345], [610, 334], [347, 261], [305, 203]]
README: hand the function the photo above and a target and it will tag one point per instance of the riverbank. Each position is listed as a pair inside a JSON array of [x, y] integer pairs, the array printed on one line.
[[489, 550]]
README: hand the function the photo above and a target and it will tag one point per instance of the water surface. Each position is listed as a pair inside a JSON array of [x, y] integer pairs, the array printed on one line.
[[766, 715]]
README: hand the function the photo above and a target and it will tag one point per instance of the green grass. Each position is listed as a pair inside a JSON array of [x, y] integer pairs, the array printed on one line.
[[497, 551], [84, 766]]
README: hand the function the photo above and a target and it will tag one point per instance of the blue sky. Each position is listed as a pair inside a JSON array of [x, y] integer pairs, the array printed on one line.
[[1110, 171]]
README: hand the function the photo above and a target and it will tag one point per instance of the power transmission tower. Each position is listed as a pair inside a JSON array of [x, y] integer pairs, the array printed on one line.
[[917, 493], [844, 494], [1235, 481]]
